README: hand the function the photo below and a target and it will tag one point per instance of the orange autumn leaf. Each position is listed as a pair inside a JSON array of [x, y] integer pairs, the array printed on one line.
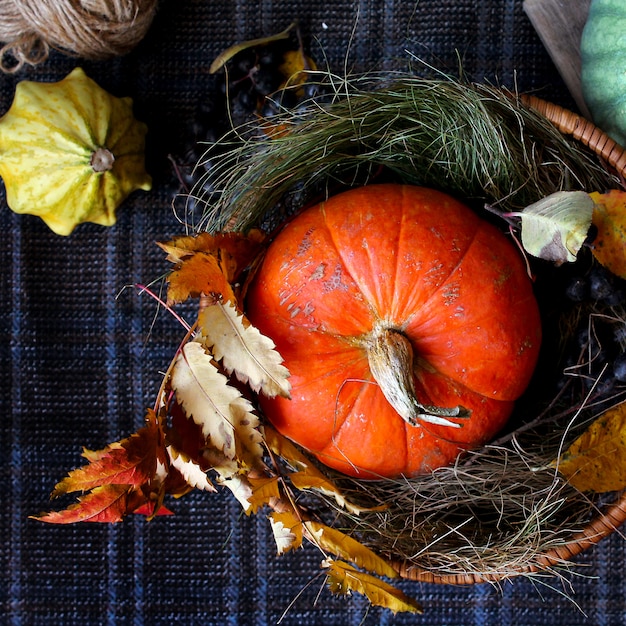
[[209, 264], [234, 251], [609, 217], [128, 476], [199, 275], [130, 462], [147, 509], [108, 503]]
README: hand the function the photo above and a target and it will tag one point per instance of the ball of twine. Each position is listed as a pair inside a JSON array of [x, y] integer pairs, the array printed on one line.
[[92, 29]]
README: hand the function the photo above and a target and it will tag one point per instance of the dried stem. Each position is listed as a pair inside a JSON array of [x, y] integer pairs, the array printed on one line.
[[390, 357]]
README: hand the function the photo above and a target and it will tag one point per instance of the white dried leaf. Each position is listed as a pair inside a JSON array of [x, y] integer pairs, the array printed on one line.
[[193, 474], [241, 489], [555, 227], [225, 416], [242, 349], [287, 529]]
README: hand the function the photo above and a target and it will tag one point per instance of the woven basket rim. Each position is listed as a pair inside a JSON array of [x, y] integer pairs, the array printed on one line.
[[614, 157]]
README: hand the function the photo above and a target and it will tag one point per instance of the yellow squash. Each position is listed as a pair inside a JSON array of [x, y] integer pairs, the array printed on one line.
[[70, 152]]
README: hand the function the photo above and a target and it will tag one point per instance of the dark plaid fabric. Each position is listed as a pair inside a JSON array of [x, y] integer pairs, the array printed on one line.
[[81, 355]]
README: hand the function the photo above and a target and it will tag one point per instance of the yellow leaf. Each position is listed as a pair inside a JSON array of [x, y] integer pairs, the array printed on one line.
[[308, 476], [334, 541], [285, 449], [295, 66], [287, 529], [609, 217], [596, 461], [312, 478], [343, 578], [264, 490], [244, 350]]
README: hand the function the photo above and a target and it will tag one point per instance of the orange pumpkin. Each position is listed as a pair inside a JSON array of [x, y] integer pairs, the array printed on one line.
[[400, 315]]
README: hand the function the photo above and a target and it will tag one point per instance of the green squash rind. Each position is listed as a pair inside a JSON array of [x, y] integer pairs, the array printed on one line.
[[603, 66]]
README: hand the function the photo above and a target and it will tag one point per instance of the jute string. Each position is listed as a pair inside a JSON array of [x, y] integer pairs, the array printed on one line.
[[91, 29]]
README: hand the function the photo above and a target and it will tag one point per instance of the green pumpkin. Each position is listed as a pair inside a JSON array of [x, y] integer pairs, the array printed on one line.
[[603, 57]]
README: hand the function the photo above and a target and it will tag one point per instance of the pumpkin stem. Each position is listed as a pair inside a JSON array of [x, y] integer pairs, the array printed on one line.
[[102, 160], [390, 357]]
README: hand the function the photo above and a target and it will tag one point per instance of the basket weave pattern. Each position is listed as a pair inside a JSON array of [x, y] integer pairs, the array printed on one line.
[[614, 158]]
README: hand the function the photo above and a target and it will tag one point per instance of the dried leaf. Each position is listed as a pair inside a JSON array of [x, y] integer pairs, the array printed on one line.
[[234, 251], [295, 68], [241, 489], [191, 471], [186, 436], [596, 461], [223, 413], [308, 476], [285, 449], [132, 461], [343, 578], [555, 227], [148, 509], [109, 503], [312, 478], [287, 529], [342, 545], [198, 275], [230, 52], [264, 491], [609, 216], [242, 349]]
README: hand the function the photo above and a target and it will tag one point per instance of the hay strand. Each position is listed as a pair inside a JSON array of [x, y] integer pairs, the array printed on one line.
[[473, 141]]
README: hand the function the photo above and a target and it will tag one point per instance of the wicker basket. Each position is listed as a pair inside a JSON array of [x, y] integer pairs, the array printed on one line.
[[614, 158]]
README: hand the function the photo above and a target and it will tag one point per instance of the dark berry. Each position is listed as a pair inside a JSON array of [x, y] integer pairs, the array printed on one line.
[[288, 98], [267, 80], [591, 234], [247, 99], [312, 90], [619, 368], [243, 63], [269, 57], [582, 337], [577, 289], [269, 109], [600, 285], [616, 297], [619, 335], [604, 388]]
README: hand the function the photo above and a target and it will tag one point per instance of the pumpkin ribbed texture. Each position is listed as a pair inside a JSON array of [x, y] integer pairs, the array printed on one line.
[[416, 262]]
